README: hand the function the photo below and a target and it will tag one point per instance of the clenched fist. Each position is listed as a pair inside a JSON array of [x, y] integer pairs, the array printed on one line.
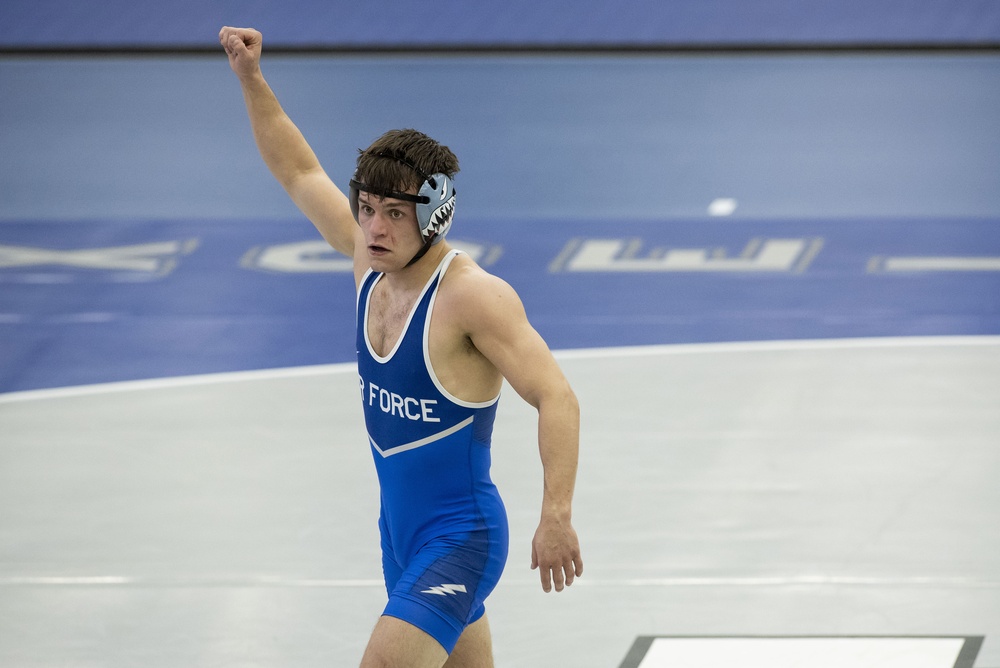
[[243, 47]]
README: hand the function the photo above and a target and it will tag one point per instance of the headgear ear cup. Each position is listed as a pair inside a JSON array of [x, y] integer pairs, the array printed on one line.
[[353, 196], [437, 209]]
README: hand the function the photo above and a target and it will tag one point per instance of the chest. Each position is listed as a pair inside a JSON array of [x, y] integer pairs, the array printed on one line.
[[395, 325], [387, 317], [392, 315]]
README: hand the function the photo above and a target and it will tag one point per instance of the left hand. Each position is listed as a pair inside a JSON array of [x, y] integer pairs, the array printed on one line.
[[555, 550]]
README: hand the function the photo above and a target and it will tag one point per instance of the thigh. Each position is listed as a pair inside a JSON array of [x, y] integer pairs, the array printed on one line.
[[443, 586], [398, 644], [474, 649]]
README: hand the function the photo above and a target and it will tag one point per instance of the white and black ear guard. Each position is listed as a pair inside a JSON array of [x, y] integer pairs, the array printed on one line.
[[436, 209]]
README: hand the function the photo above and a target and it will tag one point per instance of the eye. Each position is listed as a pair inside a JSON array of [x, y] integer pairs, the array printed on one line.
[[396, 214], [367, 209]]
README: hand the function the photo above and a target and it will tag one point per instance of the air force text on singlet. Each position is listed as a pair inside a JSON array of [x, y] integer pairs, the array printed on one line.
[[395, 404]]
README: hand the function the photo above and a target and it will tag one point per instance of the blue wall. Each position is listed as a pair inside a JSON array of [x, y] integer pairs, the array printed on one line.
[[375, 23]]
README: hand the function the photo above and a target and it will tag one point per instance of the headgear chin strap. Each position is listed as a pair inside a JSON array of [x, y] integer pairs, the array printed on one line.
[[435, 202]]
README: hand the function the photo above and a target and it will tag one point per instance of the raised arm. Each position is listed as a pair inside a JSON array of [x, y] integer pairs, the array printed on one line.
[[284, 149]]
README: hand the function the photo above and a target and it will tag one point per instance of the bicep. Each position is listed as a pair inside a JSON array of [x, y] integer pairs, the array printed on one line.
[[502, 333]]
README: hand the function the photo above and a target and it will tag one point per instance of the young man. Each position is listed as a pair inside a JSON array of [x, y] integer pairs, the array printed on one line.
[[437, 336]]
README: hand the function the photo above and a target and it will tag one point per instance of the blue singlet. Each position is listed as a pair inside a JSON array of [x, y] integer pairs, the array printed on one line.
[[443, 525]]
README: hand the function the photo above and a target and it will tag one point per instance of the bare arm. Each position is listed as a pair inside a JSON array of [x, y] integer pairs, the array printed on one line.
[[555, 546], [284, 149], [500, 330]]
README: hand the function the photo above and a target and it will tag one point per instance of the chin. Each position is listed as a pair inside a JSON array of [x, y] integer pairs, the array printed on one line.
[[384, 263]]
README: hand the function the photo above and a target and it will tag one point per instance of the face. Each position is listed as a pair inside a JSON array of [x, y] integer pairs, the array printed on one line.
[[391, 231]]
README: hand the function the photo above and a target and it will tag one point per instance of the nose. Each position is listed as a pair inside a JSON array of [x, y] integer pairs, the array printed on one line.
[[378, 224]]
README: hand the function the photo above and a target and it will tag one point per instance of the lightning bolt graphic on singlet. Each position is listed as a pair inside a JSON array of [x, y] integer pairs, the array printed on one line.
[[445, 590]]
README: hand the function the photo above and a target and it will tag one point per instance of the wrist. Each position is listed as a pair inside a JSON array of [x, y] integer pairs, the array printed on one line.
[[560, 511], [252, 80]]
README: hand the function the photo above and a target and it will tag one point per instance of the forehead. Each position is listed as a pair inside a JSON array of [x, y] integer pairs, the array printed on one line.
[[372, 199]]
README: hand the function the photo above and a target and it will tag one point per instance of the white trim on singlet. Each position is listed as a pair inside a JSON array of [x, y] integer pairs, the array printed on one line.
[[413, 445], [426, 345], [413, 309]]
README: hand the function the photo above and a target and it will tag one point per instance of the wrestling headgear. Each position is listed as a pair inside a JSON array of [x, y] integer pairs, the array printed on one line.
[[435, 202]]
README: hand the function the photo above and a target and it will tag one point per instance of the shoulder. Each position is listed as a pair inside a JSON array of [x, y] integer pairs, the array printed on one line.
[[476, 297]]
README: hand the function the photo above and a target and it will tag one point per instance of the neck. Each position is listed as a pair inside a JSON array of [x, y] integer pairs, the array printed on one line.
[[423, 251], [417, 274]]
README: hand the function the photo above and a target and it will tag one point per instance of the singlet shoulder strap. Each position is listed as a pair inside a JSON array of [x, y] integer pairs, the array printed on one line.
[[366, 283], [446, 262]]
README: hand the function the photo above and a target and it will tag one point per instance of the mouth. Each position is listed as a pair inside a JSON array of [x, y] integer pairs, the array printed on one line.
[[377, 250]]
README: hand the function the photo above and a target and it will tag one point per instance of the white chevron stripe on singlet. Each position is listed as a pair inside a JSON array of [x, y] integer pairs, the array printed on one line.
[[423, 441]]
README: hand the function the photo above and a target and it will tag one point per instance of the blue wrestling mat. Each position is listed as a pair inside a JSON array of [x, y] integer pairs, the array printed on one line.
[[95, 302]]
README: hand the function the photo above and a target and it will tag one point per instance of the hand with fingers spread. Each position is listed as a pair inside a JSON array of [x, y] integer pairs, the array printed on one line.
[[555, 551], [243, 46]]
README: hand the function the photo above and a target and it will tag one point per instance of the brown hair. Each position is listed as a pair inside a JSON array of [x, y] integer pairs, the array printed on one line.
[[401, 159]]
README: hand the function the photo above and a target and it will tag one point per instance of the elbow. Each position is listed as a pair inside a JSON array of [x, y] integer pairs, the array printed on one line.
[[563, 399], [572, 402]]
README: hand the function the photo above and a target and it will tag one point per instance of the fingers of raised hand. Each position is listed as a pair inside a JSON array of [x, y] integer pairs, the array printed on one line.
[[234, 38]]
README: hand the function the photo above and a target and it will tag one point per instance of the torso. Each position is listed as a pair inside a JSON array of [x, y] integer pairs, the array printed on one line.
[[431, 447], [460, 367]]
